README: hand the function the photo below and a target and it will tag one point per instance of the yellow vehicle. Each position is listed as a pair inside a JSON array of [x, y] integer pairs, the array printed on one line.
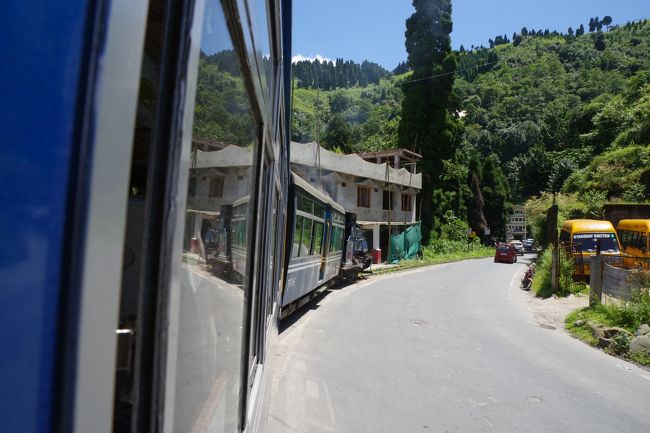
[[582, 238], [634, 236]]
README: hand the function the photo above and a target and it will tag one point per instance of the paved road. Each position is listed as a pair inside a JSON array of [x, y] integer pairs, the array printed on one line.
[[453, 348]]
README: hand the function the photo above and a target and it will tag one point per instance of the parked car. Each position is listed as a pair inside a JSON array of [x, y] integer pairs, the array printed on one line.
[[529, 245], [519, 247], [505, 253]]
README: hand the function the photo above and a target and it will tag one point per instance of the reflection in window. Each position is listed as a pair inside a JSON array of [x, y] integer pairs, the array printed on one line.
[[262, 46], [305, 204], [215, 249], [191, 190], [216, 186], [305, 250], [297, 235], [318, 237], [319, 210]]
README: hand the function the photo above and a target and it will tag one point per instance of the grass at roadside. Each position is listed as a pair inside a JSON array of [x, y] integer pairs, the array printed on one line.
[[626, 315], [542, 278], [433, 257]]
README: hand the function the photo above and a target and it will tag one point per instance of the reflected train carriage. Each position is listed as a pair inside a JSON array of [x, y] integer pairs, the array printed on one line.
[[238, 236], [117, 323], [226, 257]]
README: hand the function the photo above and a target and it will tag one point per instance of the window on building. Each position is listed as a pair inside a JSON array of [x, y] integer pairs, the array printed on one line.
[[406, 202], [216, 186], [388, 200], [191, 191], [363, 196]]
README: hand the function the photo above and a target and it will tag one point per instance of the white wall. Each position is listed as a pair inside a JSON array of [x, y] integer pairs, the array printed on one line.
[[236, 185]]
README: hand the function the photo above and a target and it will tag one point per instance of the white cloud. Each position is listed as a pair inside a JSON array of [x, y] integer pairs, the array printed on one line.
[[301, 57]]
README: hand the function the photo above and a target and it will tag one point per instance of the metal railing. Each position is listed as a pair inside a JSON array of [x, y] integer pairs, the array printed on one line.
[[573, 251]]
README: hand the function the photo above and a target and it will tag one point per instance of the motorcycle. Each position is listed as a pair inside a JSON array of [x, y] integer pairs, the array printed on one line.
[[527, 279]]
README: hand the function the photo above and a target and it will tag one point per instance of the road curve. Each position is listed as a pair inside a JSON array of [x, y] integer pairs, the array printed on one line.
[[451, 348]]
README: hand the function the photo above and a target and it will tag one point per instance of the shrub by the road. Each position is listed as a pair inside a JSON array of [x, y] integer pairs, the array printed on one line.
[[627, 315], [542, 278], [443, 251]]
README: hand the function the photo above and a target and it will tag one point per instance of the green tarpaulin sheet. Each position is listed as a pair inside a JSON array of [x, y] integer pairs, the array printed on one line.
[[406, 244]]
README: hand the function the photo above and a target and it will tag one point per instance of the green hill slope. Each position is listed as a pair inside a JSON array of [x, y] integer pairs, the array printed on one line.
[[551, 104], [544, 108]]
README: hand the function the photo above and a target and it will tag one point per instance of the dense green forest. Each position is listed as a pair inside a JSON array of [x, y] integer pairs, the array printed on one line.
[[565, 113], [329, 75]]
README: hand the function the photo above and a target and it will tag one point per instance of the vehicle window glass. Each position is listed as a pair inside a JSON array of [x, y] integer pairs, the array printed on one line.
[[588, 241], [306, 237], [319, 210], [622, 235], [262, 46], [333, 238], [305, 204], [318, 238], [211, 296], [295, 249]]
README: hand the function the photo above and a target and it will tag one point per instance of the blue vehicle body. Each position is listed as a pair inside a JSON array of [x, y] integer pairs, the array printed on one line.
[[45, 53], [77, 81]]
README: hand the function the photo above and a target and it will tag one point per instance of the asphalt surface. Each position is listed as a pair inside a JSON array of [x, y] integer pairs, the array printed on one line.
[[452, 348]]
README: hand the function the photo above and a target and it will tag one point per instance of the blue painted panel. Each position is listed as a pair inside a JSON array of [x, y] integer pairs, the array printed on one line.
[[41, 47]]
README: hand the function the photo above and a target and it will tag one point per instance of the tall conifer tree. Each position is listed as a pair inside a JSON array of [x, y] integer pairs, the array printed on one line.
[[426, 124]]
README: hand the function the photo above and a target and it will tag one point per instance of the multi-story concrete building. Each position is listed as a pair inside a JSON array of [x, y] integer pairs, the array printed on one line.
[[516, 227], [380, 195]]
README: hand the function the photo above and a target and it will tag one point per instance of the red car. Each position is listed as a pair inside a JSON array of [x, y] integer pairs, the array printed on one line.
[[505, 253]]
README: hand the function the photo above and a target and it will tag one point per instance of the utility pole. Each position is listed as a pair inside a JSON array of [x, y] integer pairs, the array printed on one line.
[[551, 231], [390, 205]]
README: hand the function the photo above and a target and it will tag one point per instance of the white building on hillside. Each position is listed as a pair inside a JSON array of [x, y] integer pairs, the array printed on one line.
[[516, 227]]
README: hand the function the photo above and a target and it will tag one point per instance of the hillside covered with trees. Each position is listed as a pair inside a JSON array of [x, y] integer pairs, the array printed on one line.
[[545, 111]]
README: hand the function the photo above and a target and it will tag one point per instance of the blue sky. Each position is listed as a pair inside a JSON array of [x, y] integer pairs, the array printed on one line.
[[374, 29]]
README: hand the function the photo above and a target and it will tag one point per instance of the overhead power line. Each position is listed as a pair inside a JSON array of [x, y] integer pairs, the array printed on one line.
[[447, 73]]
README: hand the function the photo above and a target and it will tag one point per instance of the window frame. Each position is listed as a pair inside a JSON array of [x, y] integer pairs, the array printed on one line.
[[387, 200], [216, 186], [365, 190], [409, 203]]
